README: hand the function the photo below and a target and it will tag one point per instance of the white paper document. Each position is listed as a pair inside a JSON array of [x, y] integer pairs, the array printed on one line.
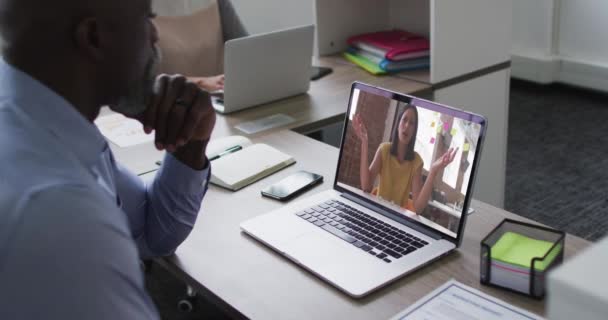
[[122, 131], [456, 301]]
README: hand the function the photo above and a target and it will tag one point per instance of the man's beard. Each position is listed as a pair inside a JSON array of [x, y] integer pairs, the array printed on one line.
[[136, 100]]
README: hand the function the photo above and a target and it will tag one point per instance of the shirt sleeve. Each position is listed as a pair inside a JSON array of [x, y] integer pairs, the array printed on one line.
[[162, 213], [385, 148], [72, 257]]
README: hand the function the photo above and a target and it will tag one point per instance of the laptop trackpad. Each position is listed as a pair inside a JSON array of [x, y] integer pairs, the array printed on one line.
[[337, 261], [317, 248]]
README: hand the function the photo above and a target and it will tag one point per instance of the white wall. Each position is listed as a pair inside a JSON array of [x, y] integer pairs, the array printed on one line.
[[583, 28], [561, 40], [257, 15], [171, 7], [268, 15], [532, 26]]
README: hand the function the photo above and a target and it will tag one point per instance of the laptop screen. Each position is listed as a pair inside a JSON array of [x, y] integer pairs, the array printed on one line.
[[411, 156]]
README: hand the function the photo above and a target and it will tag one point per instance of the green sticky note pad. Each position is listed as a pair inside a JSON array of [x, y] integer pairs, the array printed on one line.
[[519, 250]]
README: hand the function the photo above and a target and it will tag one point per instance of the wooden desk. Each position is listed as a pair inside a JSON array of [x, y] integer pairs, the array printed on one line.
[[251, 280], [248, 279]]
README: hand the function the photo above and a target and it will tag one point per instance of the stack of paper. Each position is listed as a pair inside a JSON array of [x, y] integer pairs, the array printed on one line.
[[511, 260], [389, 51], [454, 300]]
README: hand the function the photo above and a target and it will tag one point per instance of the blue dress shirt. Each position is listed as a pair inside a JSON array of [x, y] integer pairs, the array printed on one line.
[[73, 222]]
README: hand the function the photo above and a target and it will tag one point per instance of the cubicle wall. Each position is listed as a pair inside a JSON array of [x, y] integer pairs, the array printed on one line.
[[468, 35], [487, 95]]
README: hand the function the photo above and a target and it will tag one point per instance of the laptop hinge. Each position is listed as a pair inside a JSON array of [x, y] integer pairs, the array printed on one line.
[[433, 234]]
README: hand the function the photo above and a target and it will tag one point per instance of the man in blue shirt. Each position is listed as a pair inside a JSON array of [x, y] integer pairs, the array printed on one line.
[[73, 222]]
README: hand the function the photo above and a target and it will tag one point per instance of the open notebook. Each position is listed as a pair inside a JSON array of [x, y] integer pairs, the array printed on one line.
[[237, 162]]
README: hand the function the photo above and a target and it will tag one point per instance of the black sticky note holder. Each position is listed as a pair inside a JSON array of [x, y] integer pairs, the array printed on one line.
[[536, 285]]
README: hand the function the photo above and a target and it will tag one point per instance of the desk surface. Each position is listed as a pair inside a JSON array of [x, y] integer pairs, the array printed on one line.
[[261, 284], [234, 270]]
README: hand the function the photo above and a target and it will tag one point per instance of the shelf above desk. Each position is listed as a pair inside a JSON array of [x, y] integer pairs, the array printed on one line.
[[465, 35], [421, 75]]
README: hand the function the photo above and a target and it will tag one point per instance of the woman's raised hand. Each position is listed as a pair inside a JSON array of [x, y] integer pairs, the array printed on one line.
[[360, 129], [444, 160]]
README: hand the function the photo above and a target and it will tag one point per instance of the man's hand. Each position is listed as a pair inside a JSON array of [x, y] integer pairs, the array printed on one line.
[[209, 83], [182, 116]]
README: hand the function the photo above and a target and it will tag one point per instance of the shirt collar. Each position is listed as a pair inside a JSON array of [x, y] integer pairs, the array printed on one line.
[[52, 112]]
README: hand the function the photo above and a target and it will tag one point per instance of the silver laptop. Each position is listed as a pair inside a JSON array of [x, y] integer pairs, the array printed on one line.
[[364, 234], [266, 67]]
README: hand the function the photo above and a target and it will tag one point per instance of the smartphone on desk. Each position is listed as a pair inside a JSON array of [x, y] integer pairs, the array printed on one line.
[[292, 185]]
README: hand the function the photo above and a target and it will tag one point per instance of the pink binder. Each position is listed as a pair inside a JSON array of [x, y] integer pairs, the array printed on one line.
[[393, 44]]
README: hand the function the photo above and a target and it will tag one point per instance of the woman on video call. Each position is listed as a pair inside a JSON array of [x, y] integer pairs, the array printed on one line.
[[398, 166]]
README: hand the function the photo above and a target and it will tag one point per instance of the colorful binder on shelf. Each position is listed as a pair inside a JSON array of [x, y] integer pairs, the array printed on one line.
[[390, 65], [364, 63], [393, 44], [373, 53]]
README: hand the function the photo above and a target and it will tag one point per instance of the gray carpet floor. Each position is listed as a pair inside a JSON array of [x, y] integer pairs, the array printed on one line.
[[557, 159], [557, 173]]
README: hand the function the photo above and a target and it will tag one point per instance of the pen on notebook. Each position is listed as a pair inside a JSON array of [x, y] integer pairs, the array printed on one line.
[[223, 153], [227, 151]]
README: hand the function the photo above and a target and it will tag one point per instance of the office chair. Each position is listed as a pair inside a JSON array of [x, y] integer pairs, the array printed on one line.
[[193, 45]]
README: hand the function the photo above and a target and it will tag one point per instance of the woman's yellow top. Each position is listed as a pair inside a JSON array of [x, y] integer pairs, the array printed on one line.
[[396, 177]]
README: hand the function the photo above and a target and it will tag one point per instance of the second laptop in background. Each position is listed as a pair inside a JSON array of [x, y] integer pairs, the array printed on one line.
[[266, 67]]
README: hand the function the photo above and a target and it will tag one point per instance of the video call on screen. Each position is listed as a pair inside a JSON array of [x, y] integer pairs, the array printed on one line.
[[433, 142]]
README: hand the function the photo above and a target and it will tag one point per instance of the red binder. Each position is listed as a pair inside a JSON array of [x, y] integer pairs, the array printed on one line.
[[393, 44]]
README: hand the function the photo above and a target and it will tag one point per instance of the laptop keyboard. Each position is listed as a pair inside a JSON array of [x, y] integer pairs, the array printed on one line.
[[365, 232]]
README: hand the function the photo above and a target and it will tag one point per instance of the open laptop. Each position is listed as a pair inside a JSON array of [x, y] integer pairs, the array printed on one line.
[[359, 241], [266, 67]]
